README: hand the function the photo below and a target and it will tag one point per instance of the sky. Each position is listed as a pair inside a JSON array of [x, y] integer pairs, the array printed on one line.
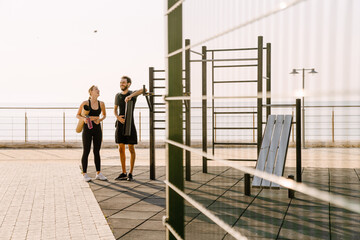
[[320, 34], [50, 53]]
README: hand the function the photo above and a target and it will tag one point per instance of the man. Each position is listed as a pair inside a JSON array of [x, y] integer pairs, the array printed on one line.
[[120, 102]]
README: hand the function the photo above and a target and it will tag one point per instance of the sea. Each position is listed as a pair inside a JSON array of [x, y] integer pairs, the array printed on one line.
[[53, 122]]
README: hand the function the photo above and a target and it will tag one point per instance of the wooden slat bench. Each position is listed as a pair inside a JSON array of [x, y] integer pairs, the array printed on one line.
[[274, 148]]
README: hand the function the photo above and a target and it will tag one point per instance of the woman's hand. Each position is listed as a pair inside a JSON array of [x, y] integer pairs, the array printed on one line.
[[94, 118], [121, 119], [85, 120], [97, 121]]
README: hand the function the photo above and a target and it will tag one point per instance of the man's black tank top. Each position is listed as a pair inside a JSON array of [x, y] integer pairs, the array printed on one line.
[[94, 112]]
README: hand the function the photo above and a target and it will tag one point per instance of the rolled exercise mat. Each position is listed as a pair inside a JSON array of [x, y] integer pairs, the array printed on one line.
[[85, 111], [129, 109]]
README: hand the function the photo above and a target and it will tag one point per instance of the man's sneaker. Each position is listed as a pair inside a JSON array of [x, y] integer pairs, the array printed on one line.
[[130, 177], [122, 176], [101, 177], [87, 178]]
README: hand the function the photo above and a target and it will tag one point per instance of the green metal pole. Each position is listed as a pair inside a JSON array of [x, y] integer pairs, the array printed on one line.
[[303, 108], [174, 164], [268, 79], [298, 140], [213, 120], [188, 112], [204, 109], [259, 92], [151, 127]]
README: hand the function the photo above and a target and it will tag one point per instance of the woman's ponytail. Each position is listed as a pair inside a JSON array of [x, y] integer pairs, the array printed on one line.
[[90, 89]]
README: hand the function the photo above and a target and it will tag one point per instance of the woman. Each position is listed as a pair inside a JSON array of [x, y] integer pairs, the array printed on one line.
[[95, 133]]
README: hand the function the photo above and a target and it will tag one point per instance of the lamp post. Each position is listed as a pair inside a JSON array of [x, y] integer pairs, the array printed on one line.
[[295, 71]]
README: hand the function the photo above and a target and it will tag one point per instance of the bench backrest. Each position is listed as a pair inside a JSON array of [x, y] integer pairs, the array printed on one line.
[[274, 148]]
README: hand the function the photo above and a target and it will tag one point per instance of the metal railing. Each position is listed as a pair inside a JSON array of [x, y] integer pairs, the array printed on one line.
[[54, 124], [329, 124]]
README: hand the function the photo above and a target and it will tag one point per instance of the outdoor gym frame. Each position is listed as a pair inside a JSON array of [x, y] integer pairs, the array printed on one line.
[[159, 106]]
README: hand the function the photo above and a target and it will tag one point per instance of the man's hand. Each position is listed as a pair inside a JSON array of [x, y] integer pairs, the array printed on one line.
[[128, 98], [121, 119]]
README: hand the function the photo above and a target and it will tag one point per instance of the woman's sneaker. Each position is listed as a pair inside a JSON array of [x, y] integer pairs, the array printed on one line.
[[122, 176], [130, 177], [87, 178], [101, 177]]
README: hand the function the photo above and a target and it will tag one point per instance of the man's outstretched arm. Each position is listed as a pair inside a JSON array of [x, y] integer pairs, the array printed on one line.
[[134, 94]]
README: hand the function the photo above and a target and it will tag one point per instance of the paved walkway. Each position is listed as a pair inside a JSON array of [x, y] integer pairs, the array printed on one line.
[[134, 209], [42, 196], [42, 199]]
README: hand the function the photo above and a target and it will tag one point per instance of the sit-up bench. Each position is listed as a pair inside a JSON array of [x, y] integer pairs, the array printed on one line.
[[274, 146]]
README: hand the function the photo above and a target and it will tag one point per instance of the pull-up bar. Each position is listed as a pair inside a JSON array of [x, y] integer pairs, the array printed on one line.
[[234, 49], [147, 96], [225, 60]]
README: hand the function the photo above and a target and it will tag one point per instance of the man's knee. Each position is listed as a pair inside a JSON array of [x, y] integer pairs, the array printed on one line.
[[132, 149], [122, 148]]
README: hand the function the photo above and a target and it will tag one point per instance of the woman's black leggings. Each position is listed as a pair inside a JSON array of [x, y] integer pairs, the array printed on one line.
[[94, 134]]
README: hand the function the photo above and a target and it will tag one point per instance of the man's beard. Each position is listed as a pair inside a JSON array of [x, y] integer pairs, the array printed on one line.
[[124, 88]]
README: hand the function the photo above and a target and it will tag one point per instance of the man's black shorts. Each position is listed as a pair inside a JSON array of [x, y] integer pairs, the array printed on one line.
[[119, 134]]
